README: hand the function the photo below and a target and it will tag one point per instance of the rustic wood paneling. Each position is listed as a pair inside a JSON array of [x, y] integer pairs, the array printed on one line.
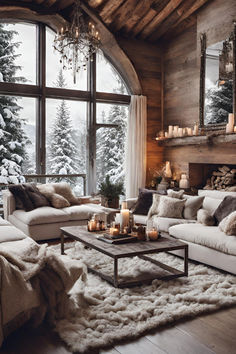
[[146, 59]]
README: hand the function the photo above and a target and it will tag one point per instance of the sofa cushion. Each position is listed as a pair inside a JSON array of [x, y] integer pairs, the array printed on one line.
[[163, 224], [191, 207], [4, 222], [11, 233], [44, 215], [226, 207], [211, 204], [65, 191], [144, 201], [205, 218], [80, 212], [228, 224], [174, 194], [209, 236], [140, 219], [171, 207], [22, 198], [154, 207], [37, 198]]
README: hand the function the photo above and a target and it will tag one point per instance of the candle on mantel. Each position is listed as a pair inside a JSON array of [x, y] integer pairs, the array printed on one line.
[[175, 131], [170, 131], [235, 128], [195, 129], [166, 134], [180, 132], [190, 132]]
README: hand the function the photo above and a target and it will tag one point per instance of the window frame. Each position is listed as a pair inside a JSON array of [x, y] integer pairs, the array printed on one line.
[[41, 92]]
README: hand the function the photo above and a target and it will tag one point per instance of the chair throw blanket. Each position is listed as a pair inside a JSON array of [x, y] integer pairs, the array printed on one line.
[[33, 278]]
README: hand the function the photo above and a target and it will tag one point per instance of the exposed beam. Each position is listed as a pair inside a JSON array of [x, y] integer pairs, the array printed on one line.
[[147, 18], [182, 26], [48, 3], [109, 8], [95, 3], [159, 18], [185, 10], [141, 9], [123, 13]]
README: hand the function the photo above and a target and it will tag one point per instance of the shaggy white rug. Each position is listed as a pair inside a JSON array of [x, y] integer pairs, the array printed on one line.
[[108, 315]]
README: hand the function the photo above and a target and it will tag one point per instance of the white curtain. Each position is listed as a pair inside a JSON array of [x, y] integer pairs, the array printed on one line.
[[135, 152]]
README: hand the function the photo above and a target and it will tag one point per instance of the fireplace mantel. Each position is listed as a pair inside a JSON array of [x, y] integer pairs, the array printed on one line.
[[210, 139]]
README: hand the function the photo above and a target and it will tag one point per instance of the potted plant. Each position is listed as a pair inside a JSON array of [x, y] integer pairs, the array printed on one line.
[[110, 193]]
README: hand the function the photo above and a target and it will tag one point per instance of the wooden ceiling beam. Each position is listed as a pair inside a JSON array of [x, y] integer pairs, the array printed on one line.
[[147, 18], [48, 3], [180, 28], [109, 8], [139, 12], [185, 10], [122, 14], [159, 18], [95, 3]]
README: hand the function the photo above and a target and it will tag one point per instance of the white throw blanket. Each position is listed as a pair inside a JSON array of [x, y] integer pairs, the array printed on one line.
[[34, 277]]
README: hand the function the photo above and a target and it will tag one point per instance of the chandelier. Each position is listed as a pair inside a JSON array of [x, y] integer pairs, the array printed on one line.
[[77, 42]]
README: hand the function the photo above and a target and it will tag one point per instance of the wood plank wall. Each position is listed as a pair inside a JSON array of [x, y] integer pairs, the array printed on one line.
[[146, 59], [181, 84]]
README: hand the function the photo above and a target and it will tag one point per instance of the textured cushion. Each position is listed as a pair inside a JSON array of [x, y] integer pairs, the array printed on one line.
[[58, 201], [205, 218], [191, 207], [4, 222], [174, 194], [171, 207], [163, 224], [65, 191], [81, 212], [228, 224], [215, 194], [22, 198], [37, 198], [227, 206], [154, 207], [209, 236], [44, 215], [144, 201], [10, 233], [211, 204]]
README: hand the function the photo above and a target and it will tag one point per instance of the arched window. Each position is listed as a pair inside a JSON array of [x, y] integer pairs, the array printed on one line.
[[48, 124]]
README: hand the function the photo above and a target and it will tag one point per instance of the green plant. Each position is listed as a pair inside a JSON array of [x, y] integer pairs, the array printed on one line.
[[111, 190]]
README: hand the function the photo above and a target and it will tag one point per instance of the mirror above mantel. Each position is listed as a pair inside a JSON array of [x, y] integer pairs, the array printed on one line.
[[217, 82]]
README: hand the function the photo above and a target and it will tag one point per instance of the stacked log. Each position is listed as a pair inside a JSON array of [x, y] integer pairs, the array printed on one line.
[[224, 178]]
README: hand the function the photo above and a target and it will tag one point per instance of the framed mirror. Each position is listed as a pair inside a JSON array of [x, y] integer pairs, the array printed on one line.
[[217, 82]]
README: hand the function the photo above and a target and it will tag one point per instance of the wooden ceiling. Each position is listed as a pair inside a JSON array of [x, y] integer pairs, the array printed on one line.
[[149, 20]]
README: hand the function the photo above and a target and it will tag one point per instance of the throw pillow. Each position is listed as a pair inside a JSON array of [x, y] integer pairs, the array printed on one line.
[[171, 207], [22, 199], [65, 191], [192, 205], [228, 224], [227, 206], [144, 201], [154, 207], [37, 198], [205, 218], [58, 201], [173, 194]]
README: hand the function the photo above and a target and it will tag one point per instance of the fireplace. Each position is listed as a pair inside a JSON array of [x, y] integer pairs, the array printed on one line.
[[199, 173]]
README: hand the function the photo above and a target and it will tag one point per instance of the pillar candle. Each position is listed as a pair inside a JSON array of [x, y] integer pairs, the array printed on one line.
[[190, 132], [166, 135], [124, 217], [170, 131], [175, 131], [180, 132], [230, 125], [195, 129], [124, 205], [235, 128]]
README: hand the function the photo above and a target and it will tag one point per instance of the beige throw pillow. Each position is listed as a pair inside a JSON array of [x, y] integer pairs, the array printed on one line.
[[205, 218], [171, 207], [228, 224], [56, 200], [174, 194], [192, 205], [64, 189], [154, 207]]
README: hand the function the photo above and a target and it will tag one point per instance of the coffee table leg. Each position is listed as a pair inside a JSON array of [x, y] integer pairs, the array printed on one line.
[[186, 260], [62, 243], [115, 272]]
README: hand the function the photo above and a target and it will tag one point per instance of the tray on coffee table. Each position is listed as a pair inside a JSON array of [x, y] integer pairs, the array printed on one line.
[[140, 249]]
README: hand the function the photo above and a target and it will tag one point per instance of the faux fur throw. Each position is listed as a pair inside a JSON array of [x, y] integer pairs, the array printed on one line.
[[205, 218], [33, 276], [228, 224]]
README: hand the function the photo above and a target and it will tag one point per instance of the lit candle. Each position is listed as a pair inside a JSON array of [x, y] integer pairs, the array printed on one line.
[[124, 205], [152, 234], [170, 131], [180, 132], [175, 131], [230, 125], [114, 231], [195, 129], [166, 134], [92, 225], [124, 218], [235, 128], [190, 132]]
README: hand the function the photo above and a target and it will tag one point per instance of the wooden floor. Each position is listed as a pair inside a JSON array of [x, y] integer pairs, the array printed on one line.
[[213, 333]]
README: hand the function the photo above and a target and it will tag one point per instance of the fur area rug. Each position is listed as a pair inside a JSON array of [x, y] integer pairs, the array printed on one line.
[[107, 315]]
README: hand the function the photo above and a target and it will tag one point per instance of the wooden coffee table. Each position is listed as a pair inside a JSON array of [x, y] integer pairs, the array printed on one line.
[[140, 249]]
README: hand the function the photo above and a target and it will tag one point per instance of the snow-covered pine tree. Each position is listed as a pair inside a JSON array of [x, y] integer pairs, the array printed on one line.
[[219, 103], [63, 152], [13, 139], [111, 143]]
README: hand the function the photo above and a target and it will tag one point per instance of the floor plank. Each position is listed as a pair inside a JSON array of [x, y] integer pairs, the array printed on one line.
[[140, 346], [172, 340]]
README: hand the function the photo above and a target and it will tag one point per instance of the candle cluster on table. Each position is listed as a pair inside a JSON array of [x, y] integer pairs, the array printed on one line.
[[174, 131], [152, 234], [230, 127], [96, 224]]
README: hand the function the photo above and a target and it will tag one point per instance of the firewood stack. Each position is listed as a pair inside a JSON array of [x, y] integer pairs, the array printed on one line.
[[224, 178]]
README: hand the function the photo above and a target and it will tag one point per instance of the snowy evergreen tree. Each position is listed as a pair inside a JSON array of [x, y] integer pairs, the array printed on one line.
[[13, 139], [63, 151], [111, 144], [219, 103]]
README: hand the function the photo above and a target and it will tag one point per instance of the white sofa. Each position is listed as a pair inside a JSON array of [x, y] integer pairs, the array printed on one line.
[[45, 222], [207, 244]]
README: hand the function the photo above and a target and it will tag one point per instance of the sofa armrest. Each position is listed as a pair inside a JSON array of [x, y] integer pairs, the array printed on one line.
[[130, 202], [9, 204]]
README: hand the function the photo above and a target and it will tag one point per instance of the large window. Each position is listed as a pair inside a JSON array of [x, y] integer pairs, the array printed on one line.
[[69, 131]]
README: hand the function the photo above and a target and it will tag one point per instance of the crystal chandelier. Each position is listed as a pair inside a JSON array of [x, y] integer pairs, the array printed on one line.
[[77, 42]]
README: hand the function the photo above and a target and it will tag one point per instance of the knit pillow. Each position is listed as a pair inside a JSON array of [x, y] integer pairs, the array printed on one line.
[[174, 194], [205, 218], [171, 207], [228, 224]]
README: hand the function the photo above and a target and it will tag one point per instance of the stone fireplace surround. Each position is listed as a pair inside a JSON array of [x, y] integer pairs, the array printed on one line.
[[200, 172]]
